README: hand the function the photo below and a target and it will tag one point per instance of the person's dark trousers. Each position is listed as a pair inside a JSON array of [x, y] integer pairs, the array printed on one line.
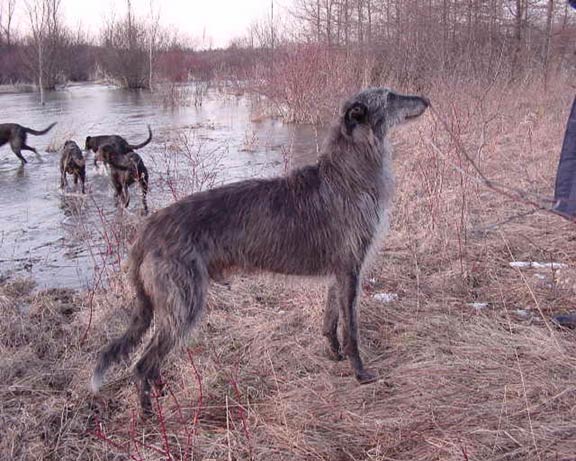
[[565, 190]]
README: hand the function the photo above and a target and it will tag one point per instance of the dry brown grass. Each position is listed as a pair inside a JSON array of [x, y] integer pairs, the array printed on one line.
[[458, 383]]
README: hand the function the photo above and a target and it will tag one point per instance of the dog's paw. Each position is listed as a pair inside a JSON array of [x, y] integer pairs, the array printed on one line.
[[366, 377], [334, 354]]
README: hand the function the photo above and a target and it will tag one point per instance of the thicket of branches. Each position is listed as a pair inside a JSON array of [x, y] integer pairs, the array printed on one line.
[[331, 47], [319, 46], [470, 38], [131, 51]]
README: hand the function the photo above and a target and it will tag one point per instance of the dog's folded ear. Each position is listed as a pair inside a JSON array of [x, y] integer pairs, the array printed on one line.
[[355, 115]]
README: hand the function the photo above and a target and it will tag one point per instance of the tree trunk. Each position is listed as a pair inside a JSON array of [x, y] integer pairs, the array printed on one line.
[[547, 37], [41, 71]]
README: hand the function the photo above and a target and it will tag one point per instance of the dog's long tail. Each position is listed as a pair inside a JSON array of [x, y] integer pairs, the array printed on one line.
[[41, 132], [141, 145], [121, 347]]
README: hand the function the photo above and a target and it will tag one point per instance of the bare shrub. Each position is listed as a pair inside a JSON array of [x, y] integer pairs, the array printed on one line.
[[173, 95], [126, 57], [188, 164], [306, 80]]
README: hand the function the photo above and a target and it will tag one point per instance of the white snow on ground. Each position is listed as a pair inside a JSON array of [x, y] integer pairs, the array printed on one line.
[[523, 313], [537, 265], [478, 306], [385, 297]]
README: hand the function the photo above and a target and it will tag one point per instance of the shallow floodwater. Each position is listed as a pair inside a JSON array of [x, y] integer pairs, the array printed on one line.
[[64, 239]]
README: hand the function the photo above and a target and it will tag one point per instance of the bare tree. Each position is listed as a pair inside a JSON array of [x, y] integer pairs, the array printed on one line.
[[7, 9], [547, 38], [153, 30], [126, 56], [47, 44], [39, 16]]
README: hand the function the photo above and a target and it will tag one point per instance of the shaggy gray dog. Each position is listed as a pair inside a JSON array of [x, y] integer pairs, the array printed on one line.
[[320, 220]]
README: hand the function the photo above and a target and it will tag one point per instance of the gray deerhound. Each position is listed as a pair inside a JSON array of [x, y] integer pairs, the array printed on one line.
[[16, 135], [320, 220], [72, 162]]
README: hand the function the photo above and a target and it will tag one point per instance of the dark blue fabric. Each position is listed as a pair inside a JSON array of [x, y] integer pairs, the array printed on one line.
[[565, 190]]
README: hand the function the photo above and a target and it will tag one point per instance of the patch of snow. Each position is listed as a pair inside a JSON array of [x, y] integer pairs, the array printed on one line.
[[385, 297], [478, 306], [523, 313], [537, 265], [101, 169]]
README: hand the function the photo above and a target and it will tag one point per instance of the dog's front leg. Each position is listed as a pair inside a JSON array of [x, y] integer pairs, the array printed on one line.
[[350, 289], [144, 189], [83, 179], [117, 191], [63, 180], [125, 196], [330, 324]]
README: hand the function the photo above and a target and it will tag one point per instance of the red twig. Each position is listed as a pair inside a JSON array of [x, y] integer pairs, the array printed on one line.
[[162, 423], [463, 448], [91, 306], [133, 436], [199, 402], [99, 434]]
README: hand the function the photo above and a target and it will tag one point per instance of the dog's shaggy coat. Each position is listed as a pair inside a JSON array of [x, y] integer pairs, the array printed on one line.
[[72, 162], [125, 170], [320, 220], [119, 144]]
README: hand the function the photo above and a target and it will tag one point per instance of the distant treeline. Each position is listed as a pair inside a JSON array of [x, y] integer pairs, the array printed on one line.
[[325, 48]]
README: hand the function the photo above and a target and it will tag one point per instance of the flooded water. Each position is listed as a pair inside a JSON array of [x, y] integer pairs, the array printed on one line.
[[62, 239]]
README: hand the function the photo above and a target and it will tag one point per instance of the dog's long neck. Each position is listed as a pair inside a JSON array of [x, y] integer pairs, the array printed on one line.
[[359, 163]]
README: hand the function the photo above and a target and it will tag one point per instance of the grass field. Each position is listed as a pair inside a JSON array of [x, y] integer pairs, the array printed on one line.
[[471, 366]]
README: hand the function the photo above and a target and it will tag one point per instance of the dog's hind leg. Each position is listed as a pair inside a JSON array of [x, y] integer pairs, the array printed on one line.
[[31, 149], [16, 146], [179, 291], [83, 180], [330, 324], [350, 290]]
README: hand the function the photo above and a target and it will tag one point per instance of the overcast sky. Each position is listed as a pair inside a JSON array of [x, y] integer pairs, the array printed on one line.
[[220, 20]]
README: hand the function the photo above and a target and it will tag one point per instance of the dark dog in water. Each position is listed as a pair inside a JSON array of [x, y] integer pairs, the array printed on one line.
[[16, 135], [125, 170], [118, 144], [72, 162]]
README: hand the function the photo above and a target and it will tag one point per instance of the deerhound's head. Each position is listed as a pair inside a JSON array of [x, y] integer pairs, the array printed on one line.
[[89, 144], [381, 109]]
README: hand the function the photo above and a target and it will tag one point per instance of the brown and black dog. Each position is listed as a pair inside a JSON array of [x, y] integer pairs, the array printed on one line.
[[125, 170], [16, 135], [72, 162], [118, 143]]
